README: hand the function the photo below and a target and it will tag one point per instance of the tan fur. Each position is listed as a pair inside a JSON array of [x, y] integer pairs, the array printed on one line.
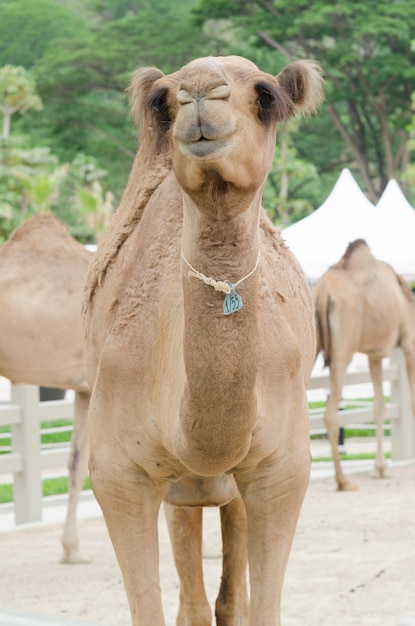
[[42, 274], [191, 406], [362, 305]]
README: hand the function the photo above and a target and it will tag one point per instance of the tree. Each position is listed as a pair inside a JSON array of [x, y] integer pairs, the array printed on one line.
[[33, 181], [284, 196], [409, 175], [19, 161], [83, 82], [111, 10], [17, 93], [365, 50], [29, 27]]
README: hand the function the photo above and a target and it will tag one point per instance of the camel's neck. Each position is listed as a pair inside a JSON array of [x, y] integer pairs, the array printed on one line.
[[218, 408]]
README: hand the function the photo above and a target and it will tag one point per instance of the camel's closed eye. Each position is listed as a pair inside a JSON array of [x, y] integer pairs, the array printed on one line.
[[158, 105], [272, 105]]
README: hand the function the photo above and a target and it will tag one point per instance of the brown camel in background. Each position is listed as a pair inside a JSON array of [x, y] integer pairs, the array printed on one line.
[[200, 342], [42, 275], [362, 305]]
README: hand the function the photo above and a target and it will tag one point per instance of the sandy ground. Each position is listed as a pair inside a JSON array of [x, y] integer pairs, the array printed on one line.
[[352, 563]]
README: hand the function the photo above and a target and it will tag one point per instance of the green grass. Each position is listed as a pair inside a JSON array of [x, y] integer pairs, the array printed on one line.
[[6, 441], [50, 487], [6, 493], [370, 431], [348, 404], [60, 437], [362, 456], [47, 438]]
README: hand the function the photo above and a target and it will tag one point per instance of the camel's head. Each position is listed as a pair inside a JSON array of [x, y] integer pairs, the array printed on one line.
[[218, 115]]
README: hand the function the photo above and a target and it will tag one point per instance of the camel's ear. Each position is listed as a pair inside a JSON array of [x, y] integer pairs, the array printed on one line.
[[303, 84], [138, 90]]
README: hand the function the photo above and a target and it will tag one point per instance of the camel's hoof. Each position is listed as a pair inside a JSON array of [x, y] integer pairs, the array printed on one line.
[[347, 486], [381, 473], [74, 557]]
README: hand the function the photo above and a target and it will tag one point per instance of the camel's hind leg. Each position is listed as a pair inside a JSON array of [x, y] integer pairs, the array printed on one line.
[[185, 529], [331, 420], [232, 604], [379, 410], [78, 470], [409, 354]]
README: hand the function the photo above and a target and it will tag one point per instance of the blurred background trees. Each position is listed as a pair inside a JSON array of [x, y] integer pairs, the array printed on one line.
[[73, 156]]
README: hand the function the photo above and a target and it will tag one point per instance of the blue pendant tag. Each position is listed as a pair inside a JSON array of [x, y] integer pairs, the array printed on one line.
[[232, 301]]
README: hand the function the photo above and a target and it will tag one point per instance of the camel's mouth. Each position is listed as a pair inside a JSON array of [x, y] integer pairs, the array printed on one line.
[[203, 147]]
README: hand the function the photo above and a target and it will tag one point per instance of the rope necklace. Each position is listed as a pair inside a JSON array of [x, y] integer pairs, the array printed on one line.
[[232, 301], [218, 285]]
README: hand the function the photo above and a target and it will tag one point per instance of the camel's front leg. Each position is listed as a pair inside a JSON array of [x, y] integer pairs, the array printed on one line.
[[273, 497], [185, 530], [130, 502], [331, 420], [379, 410], [232, 604], [77, 469]]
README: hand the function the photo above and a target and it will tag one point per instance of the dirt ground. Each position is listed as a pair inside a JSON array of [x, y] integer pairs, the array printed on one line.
[[352, 563]]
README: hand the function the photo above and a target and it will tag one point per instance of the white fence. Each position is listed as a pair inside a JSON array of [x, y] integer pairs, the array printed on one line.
[[27, 459], [398, 411]]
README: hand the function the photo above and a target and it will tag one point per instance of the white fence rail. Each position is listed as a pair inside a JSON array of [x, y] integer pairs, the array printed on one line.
[[27, 458]]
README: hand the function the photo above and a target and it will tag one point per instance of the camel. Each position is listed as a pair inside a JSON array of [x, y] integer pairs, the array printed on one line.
[[200, 341], [42, 275], [362, 305]]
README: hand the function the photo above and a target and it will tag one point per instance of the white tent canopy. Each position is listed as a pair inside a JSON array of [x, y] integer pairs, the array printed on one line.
[[396, 209], [320, 239]]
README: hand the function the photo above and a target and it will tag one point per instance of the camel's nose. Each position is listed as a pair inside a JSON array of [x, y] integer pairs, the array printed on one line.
[[204, 114], [211, 90]]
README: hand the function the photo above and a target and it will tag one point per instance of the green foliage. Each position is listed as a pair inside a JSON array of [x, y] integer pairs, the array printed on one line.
[[28, 28], [17, 93], [284, 196], [17, 89], [365, 50], [82, 82], [111, 10], [85, 205], [82, 53], [17, 162], [409, 175], [42, 189], [33, 181]]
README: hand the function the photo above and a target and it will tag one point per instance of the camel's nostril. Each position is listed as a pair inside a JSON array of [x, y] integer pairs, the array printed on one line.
[[184, 97], [220, 92]]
